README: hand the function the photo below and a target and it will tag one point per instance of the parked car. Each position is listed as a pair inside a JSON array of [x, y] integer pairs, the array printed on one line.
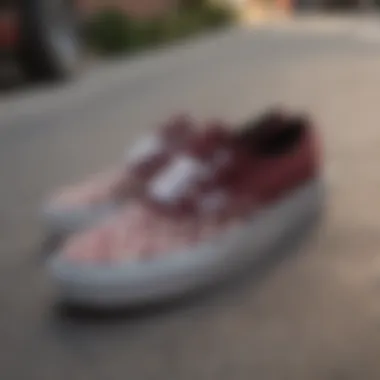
[[42, 36]]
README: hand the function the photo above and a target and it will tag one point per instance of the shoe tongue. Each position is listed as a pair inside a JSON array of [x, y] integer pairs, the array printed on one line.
[[178, 127], [176, 131], [214, 137], [176, 180], [186, 172]]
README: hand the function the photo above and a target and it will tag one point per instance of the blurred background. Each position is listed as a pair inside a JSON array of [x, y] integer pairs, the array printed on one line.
[[81, 80]]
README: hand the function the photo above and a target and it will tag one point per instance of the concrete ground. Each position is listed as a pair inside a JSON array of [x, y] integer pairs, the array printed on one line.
[[313, 315]]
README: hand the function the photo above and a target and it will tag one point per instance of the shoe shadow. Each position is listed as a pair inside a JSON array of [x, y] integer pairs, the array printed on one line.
[[253, 274]]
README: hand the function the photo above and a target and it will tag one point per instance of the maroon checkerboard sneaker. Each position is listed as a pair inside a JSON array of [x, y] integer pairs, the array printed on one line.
[[226, 198], [76, 207]]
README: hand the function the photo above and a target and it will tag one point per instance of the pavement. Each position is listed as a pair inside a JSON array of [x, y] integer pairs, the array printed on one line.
[[311, 315]]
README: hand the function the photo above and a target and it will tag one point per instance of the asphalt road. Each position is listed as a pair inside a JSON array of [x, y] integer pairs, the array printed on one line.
[[311, 315]]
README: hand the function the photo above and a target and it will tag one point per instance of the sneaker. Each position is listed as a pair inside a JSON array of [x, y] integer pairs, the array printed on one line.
[[221, 203]]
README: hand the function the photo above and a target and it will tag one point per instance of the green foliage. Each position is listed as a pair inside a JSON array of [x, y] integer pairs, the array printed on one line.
[[111, 31], [215, 16]]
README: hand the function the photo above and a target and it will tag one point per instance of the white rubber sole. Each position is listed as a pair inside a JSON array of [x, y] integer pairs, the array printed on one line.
[[138, 282]]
